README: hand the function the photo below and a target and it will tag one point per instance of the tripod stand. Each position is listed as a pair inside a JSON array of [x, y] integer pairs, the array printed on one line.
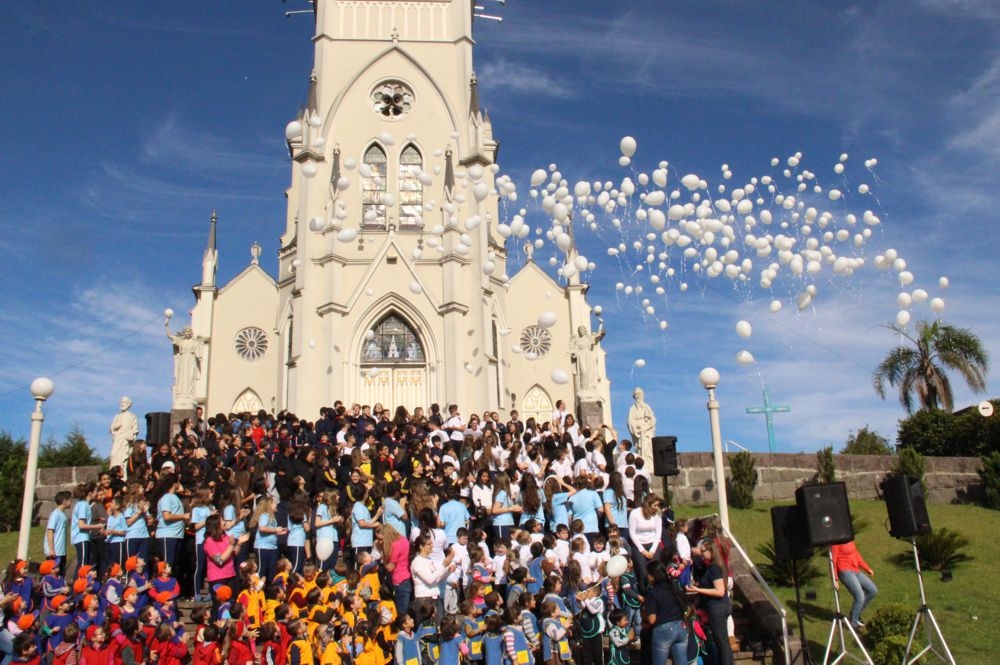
[[924, 612], [837, 626]]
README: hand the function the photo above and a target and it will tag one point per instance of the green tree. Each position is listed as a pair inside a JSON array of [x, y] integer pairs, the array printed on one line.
[[990, 475], [73, 451], [866, 442], [743, 481], [919, 370], [826, 468], [13, 460]]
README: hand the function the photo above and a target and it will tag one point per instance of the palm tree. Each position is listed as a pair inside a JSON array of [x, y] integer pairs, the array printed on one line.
[[920, 369]]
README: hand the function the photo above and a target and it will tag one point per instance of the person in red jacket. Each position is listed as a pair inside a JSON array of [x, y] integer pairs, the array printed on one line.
[[208, 651], [240, 652], [855, 573], [95, 649], [170, 648]]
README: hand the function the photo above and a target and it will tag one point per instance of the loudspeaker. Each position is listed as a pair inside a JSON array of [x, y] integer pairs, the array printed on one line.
[[791, 538], [157, 428], [665, 456], [827, 513], [904, 499]]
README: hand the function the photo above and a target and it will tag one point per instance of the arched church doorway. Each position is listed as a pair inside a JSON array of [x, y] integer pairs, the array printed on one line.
[[248, 401], [393, 365], [536, 404]]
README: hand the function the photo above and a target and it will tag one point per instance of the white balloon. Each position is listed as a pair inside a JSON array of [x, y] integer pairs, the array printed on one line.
[[919, 295], [598, 310], [369, 334], [744, 329], [627, 146], [343, 182], [691, 181], [538, 177], [616, 566], [937, 304], [547, 319], [640, 363], [168, 313], [560, 377], [316, 224], [481, 191], [417, 253], [350, 163], [902, 318], [472, 222], [309, 169], [943, 282], [415, 287], [324, 548], [744, 357], [347, 235], [775, 306], [312, 344]]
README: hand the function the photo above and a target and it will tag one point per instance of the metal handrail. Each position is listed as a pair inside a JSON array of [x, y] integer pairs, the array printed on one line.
[[772, 598]]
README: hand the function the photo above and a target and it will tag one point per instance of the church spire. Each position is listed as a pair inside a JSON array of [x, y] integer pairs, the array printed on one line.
[[210, 259]]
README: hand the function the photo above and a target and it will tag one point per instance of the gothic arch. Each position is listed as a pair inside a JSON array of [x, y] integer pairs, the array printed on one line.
[[388, 304], [335, 106], [536, 403], [247, 401]]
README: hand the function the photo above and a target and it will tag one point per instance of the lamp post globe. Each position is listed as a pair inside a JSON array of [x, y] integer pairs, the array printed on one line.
[[42, 388], [709, 377]]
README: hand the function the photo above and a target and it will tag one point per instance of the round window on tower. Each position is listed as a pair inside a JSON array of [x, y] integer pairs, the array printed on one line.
[[251, 343], [537, 340], [391, 100]]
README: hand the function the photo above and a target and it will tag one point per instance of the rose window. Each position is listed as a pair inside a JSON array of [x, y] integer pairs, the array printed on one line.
[[392, 100], [537, 340], [251, 343]]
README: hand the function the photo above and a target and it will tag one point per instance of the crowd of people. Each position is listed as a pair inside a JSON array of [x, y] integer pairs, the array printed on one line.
[[372, 537]]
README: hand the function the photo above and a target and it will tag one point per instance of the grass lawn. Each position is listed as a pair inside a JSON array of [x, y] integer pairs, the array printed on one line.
[[966, 608]]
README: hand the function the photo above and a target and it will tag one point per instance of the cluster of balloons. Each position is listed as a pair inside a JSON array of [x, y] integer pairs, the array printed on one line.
[[782, 235]]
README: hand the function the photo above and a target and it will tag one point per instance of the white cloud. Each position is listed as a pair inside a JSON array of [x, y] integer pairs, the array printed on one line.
[[521, 79]]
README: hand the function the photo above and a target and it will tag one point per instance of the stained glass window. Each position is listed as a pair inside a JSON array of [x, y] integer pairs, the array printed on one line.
[[373, 188], [251, 343], [411, 190], [392, 341]]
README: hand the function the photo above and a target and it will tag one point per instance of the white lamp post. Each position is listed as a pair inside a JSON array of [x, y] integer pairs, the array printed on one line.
[[709, 378], [42, 389]]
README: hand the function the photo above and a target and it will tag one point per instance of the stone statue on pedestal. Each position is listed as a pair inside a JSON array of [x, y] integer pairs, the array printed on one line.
[[187, 365], [642, 427], [124, 431], [583, 352]]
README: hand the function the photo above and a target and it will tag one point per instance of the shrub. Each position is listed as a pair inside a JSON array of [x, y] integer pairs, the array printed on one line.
[[826, 469], [990, 475], [744, 479], [941, 549], [908, 462], [891, 619], [866, 442], [891, 650], [779, 573]]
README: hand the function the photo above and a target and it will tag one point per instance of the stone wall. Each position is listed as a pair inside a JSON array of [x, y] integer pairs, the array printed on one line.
[[948, 479], [51, 481]]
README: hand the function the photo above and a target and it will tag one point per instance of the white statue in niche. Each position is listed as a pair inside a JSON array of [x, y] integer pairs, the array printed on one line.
[[583, 352], [124, 431], [642, 426]]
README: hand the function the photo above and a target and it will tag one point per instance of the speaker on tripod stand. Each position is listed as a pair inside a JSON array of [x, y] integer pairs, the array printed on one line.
[[908, 518]]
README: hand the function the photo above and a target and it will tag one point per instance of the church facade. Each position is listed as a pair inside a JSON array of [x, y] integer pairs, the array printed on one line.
[[393, 283]]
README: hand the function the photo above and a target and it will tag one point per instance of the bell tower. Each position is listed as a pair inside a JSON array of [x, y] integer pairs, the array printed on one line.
[[392, 274]]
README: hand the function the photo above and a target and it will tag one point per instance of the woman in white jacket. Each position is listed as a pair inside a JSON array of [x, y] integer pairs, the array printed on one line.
[[427, 575]]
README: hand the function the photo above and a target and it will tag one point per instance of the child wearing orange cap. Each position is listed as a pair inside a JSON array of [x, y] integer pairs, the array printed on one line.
[[164, 582], [90, 613], [129, 609], [137, 579], [223, 594], [56, 622], [53, 583], [17, 580], [112, 589]]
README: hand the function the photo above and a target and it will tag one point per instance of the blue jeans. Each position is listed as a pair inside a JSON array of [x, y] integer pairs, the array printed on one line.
[[402, 596], [671, 639], [863, 590]]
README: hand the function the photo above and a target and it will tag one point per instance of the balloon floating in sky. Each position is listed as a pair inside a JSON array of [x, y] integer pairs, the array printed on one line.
[[640, 363], [743, 329]]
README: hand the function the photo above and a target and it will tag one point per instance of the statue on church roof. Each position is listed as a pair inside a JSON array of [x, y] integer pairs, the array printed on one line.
[[187, 364], [583, 353]]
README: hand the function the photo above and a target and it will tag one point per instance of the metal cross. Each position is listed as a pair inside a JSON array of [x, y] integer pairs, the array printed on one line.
[[769, 410]]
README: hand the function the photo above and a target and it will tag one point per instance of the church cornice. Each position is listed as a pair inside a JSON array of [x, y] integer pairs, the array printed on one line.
[[453, 306], [333, 308]]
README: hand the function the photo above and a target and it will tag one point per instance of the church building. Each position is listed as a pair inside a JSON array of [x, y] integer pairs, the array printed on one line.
[[393, 283]]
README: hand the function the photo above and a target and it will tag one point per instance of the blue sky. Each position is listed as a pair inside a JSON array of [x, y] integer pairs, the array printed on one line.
[[126, 124]]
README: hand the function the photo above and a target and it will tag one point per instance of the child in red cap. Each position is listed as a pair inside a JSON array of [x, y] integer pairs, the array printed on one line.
[[95, 650]]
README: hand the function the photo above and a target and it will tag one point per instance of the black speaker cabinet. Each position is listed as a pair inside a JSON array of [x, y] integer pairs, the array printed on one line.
[[157, 428], [791, 538], [665, 456], [904, 500], [827, 513]]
